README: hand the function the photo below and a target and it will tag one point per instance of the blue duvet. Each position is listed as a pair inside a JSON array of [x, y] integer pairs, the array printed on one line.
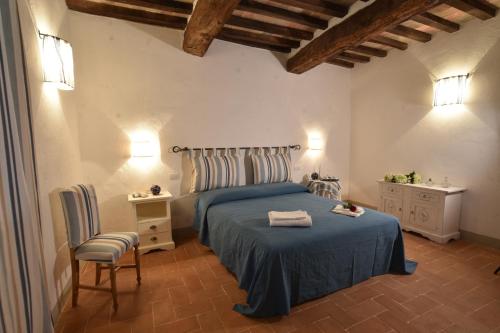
[[280, 266]]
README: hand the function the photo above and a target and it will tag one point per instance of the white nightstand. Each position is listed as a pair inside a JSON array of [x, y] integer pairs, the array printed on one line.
[[154, 223]]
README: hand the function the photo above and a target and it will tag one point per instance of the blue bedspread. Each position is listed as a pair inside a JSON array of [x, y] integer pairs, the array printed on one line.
[[281, 267]]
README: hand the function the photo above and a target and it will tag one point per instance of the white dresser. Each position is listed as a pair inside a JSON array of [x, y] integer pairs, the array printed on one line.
[[431, 211], [154, 223]]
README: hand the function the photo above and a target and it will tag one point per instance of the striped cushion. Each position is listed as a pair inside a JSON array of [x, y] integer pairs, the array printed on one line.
[[81, 213], [107, 248], [211, 172], [269, 168]]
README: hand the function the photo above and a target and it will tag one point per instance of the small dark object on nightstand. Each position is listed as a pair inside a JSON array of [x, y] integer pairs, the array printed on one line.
[[155, 189]]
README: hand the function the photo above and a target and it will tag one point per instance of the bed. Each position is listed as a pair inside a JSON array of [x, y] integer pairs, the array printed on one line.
[[282, 267]]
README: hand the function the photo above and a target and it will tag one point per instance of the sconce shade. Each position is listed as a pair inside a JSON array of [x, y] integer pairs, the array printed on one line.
[[315, 144], [57, 61], [142, 149], [450, 90]]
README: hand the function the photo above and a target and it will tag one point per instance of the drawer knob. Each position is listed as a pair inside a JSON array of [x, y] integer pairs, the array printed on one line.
[[153, 239], [153, 227]]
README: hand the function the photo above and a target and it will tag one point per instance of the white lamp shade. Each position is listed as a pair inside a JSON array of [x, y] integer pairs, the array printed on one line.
[[142, 149], [450, 90], [57, 61]]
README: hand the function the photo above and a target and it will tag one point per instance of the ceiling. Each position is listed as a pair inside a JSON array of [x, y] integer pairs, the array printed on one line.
[[284, 25]]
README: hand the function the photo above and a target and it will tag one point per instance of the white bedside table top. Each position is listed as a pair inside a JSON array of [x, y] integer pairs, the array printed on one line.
[[447, 190], [163, 196]]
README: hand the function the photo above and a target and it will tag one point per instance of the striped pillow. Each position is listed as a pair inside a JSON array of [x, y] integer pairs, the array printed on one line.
[[212, 172], [269, 168], [81, 213]]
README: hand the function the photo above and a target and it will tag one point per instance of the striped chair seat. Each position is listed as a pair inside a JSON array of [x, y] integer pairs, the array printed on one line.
[[107, 248]]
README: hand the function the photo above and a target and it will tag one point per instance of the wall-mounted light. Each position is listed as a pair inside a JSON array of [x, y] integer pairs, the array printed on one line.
[[142, 148], [315, 144], [450, 90], [57, 61]]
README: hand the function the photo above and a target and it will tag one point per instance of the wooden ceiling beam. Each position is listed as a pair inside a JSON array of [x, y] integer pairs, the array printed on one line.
[[260, 37], [410, 33], [249, 6], [252, 43], [386, 41], [371, 51], [128, 14], [274, 29], [352, 57], [317, 6], [340, 63], [479, 8], [170, 6], [436, 22], [205, 23], [368, 22]]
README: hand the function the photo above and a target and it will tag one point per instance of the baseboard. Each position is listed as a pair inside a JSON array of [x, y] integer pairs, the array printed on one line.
[[481, 239]]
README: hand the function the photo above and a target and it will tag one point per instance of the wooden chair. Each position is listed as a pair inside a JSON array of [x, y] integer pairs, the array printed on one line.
[[88, 244]]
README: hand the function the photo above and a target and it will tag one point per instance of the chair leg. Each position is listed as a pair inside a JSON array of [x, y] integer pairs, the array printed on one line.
[[112, 276], [75, 278], [97, 274], [137, 263]]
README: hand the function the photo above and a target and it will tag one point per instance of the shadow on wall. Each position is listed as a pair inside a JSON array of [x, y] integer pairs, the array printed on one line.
[[61, 262], [116, 214]]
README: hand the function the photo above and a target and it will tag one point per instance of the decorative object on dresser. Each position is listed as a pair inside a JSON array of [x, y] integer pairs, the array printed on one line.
[[432, 211], [154, 223], [155, 189], [329, 188]]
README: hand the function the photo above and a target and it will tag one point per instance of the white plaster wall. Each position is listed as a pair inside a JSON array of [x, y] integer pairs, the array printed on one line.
[[133, 77], [55, 135], [395, 128]]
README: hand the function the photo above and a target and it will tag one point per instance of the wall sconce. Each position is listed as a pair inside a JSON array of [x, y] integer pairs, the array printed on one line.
[[315, 144], [57, 61], [143, 148], [450, 90]]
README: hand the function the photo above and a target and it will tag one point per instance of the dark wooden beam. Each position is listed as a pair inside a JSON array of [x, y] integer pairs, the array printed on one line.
[[340, 63], [275, 48], [352, 57], [479, 8], [205, 23], [317, 6], [282, 14], [388, 42], [169, 6], [260, 38], [410, 33], [436, 22], [368, 22], [274, 29], [372, 51], [129, 14]]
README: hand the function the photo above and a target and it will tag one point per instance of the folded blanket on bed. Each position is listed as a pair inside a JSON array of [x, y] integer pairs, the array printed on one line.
[[298, 218], [339, 209]]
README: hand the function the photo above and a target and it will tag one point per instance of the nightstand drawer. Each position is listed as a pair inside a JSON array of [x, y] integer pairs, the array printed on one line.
[[160, 225], [426, 196], [154, 239]]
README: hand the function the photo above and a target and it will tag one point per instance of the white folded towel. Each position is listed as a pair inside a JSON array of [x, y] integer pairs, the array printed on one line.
[[297, 218], [339, 209]]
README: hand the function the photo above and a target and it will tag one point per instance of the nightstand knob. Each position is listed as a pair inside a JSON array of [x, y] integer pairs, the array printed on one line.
[[153, 227], [153, 239]]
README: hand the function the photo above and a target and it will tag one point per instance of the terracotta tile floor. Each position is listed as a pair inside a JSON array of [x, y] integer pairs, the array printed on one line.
[[188, 290]]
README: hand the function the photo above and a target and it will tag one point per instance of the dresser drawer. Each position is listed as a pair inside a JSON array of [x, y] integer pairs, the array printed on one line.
[[153, 227], [392, 189], [155, 239], [426, 196]]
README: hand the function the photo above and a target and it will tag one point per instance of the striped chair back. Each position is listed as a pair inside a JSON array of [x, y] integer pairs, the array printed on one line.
[[81, 214]]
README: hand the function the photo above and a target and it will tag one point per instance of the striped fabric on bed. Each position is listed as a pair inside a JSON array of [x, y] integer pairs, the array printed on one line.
[[212, 172], [268, 168], [81, 213], [107, 248]]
